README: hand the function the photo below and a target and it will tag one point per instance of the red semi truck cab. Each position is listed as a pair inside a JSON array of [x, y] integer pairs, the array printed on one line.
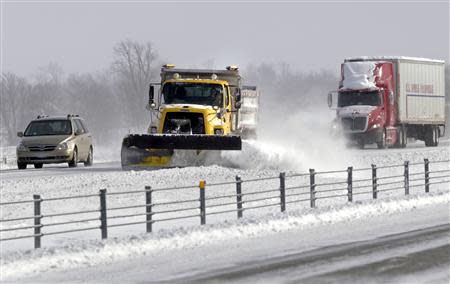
[[376, 102]]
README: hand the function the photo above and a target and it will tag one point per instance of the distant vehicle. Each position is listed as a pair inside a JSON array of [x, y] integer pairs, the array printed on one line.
[[387, 99], [56, 139]]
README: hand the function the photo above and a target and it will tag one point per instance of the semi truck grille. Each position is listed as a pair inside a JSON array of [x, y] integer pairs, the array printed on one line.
[[352, 124], [184, 123], [38, 148]]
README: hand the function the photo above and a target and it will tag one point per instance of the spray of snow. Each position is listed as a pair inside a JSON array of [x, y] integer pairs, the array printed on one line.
[[300, 142]]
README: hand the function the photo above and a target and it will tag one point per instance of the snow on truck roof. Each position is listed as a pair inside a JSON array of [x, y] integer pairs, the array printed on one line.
[[373, 58]]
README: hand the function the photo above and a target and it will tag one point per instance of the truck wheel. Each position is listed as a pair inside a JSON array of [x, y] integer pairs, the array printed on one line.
[[403, 138], [431, 137], [382, 143], [73, 163], [436, 136], [21, 166], [361, 144], [399, 137], [38, 166]]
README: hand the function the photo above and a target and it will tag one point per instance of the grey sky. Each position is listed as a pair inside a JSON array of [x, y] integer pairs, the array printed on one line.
[[309, 36]]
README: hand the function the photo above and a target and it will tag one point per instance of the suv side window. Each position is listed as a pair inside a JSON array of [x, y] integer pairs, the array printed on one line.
[[78, 126]]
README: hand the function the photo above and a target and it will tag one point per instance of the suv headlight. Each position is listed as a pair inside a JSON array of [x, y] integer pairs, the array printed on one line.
[[62, 146], [21, 147]]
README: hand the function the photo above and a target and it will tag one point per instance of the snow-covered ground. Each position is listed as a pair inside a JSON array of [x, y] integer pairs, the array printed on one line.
[[184, 239], [177, 255]]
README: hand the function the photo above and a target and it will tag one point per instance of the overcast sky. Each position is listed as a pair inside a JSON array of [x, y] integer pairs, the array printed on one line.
[[79, 36]]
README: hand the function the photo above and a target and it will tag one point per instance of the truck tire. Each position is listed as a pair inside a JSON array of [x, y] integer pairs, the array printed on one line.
[[38, 166], [403, 137], [361, 143], [431, 136], [21, 166], [436, 136], [382, 143]]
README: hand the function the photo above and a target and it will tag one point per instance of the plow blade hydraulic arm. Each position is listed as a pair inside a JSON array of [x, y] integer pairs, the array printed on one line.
[[185, 142]]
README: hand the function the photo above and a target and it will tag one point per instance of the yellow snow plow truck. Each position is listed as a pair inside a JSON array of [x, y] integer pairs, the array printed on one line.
[[195, 115]]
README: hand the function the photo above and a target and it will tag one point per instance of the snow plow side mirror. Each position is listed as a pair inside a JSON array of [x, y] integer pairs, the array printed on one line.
[[237, 103], [332, 100], [20, 134], [151, 95]]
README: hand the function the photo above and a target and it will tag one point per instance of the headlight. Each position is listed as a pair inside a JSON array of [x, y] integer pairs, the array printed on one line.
[[376, 125], [21, 147], [218, 131], [62, 146]]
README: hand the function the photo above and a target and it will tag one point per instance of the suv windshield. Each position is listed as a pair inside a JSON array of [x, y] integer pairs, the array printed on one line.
[[189, 93], [359, 98], [49, 127]]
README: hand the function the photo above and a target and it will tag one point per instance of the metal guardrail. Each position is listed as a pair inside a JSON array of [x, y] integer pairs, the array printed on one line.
[[243, 201]]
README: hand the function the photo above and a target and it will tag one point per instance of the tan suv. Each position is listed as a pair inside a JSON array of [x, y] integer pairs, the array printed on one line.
[[55, 140]]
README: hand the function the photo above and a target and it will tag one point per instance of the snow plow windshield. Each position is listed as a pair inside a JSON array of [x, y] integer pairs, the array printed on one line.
[[359, 98], [193, 93], [48, 127]]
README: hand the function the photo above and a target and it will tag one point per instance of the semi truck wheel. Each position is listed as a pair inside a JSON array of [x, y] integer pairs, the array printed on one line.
[[431, 136], [361, 143], [381, 144], [435, 136], [403, 137]]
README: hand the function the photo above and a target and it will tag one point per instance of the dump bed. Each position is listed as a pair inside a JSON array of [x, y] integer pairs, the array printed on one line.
[[248, 113]]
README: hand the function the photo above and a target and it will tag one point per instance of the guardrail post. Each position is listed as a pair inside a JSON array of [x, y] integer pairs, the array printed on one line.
[[283, 191], [350, 184], [103, 218], [406, 174], [202, 203], [37, 221], [374, 181], [239, 196], [427, 175], [148, 208], [312, 187]]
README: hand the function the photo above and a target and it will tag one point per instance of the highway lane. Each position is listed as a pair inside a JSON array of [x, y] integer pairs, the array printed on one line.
[[394, 258]]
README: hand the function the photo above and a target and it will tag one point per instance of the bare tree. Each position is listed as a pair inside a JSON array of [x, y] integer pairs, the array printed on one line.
[[14, 93], [134, 66]]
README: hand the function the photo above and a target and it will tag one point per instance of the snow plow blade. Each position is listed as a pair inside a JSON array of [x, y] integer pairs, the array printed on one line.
[[181, 141]]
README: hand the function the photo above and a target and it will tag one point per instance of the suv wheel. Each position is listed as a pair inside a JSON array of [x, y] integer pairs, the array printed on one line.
[[73, 163], [21, 166], [38, 166], [90, 158]]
